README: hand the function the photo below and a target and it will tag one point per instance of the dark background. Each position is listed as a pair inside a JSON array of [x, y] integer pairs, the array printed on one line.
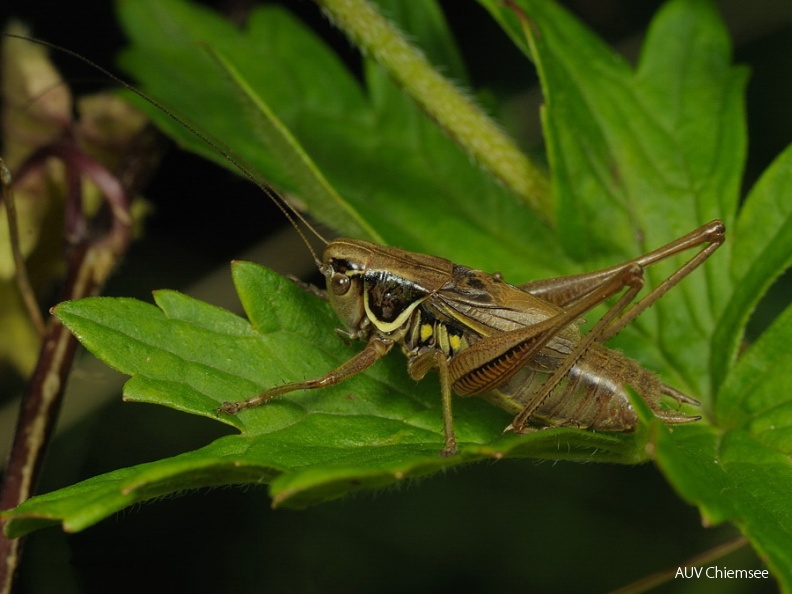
[[555, 527]]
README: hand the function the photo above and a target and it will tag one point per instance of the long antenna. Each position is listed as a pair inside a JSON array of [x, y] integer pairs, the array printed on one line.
[[236, 161]]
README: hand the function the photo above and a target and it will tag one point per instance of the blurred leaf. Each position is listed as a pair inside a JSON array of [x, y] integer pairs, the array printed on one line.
[[293, 161], [374, 146], [36, 107], [36, 103], [37, 111]]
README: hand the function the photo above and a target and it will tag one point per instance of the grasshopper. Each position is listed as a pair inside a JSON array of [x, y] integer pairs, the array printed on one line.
[[520, 347]]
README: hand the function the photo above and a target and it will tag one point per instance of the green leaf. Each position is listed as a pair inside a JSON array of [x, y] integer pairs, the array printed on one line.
[[374, 147], [373, 430], [762, 250], [740, 471], [452, 109], [651, 149], [293, 160], [640, 156], [260, 138], [747, 457]]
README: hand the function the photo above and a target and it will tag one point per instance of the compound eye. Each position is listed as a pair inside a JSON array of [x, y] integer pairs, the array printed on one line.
[[340, 283]]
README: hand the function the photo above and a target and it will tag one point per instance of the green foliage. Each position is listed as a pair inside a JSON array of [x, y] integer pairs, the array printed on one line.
[[637, 158]]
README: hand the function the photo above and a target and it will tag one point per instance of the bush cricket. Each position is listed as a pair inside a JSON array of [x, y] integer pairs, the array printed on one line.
[[520, 347]]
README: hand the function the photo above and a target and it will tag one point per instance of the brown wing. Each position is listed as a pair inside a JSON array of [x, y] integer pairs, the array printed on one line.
[[488, 305]]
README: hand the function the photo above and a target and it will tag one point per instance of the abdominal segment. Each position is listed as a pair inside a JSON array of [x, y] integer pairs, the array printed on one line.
[[592, 395]]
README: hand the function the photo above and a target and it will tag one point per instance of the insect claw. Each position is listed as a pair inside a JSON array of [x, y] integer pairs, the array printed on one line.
[[450, 448], [510, 428], [448, 451], [229, 408]]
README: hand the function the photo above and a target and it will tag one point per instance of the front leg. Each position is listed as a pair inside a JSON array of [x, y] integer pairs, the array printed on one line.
[[376, 348]]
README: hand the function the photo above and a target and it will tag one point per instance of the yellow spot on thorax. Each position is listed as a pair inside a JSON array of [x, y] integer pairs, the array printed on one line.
[[455, 341], [426, 332]]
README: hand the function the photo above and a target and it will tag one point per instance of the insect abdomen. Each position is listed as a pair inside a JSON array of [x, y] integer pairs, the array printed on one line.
[[588, 397]]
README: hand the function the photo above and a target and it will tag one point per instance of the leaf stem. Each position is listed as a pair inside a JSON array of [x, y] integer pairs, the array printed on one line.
[[450, 107], [90, 262]]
